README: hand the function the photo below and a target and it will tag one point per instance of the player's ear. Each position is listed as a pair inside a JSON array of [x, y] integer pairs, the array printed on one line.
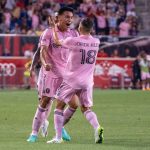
[[79, 27], [92, 30], [58, 18]]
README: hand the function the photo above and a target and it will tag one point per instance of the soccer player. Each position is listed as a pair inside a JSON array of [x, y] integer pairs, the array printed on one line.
[[145, 74], [78, 79], [54, 59]]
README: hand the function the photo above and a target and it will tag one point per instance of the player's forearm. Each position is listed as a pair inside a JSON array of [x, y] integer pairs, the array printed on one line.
[[36, 57], [56, 38], [43, 54], [44, 57]]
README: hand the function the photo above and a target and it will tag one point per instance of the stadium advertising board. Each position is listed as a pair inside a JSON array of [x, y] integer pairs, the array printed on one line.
[[113, 73], [11, 71], [108, 72]]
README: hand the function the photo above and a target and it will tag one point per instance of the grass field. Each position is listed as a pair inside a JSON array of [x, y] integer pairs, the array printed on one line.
[[125, 116]]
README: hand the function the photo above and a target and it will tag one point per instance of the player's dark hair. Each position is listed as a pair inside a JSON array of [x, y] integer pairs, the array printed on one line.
[[87, 24], [64, 9]]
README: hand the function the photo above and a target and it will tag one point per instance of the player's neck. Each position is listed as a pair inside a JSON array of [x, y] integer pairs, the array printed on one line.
[[85, 33], [61, 28]]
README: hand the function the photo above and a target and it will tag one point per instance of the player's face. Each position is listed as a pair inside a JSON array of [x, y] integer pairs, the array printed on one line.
[[65, 20]]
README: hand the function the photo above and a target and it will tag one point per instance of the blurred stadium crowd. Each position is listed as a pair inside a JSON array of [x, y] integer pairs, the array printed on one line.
[[111, 17]]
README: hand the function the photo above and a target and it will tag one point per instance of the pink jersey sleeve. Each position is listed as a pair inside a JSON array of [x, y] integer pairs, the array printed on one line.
[[46, 37], [39, 44], [74, 33], [68, 42]]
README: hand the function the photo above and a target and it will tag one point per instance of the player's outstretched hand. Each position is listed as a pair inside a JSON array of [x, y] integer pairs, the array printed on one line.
[[51, 21], [53, 25], [48, 67]]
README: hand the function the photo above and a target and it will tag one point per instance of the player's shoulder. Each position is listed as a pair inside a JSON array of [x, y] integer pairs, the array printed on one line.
[[49, 29], [74, 32], [47, 32], [96, 39], [76, 38], [70, 38]]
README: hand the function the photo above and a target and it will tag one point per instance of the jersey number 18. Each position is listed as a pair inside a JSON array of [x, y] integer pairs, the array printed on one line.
[[88, 57]]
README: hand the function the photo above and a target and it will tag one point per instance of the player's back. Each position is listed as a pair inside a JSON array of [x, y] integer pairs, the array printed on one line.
[[81, 61]]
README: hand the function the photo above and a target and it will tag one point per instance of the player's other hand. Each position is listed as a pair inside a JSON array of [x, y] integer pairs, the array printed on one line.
[[48, 67], [58, 43]]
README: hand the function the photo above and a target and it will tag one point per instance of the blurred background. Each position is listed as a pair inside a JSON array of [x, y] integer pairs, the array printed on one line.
[[122, 23]]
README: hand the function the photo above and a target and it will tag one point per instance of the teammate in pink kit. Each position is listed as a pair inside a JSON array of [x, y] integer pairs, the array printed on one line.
[[79, 79], [54, 59]]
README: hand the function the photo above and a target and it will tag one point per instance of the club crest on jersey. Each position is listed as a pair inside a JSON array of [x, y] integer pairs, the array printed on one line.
[[55, 45]]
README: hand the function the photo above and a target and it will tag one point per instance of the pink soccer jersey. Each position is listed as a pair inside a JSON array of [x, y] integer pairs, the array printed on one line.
[[81, 61], [124, 29], [39, 44], [57, 55]]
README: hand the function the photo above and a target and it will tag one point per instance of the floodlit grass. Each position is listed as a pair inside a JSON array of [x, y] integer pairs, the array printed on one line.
[[125, 116]]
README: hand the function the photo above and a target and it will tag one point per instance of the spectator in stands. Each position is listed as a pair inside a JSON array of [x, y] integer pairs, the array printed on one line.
[[101, 22], [3, 27], [112, 5], [10, 4], [6, 52], [124, 28], [85, 6], [76, 21], [115, 53], [112, 21], [113, 36], [121, 16], [73, 4], [127, 53], [102, 53], [7, 16], [134, 27], [130, 5], [131, 13], [35, 20], [30, 15]]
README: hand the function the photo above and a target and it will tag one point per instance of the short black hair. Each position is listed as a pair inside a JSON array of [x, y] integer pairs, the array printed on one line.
[[63, 9], [87, 24]]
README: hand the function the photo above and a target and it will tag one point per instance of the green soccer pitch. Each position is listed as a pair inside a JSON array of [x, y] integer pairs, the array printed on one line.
[[124, 114]]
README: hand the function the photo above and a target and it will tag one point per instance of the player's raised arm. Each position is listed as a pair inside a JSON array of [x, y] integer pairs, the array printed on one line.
[[65, 42]]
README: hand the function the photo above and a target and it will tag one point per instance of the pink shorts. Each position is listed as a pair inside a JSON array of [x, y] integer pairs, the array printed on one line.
[[145, 75], [48, 86], [66, 92]]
